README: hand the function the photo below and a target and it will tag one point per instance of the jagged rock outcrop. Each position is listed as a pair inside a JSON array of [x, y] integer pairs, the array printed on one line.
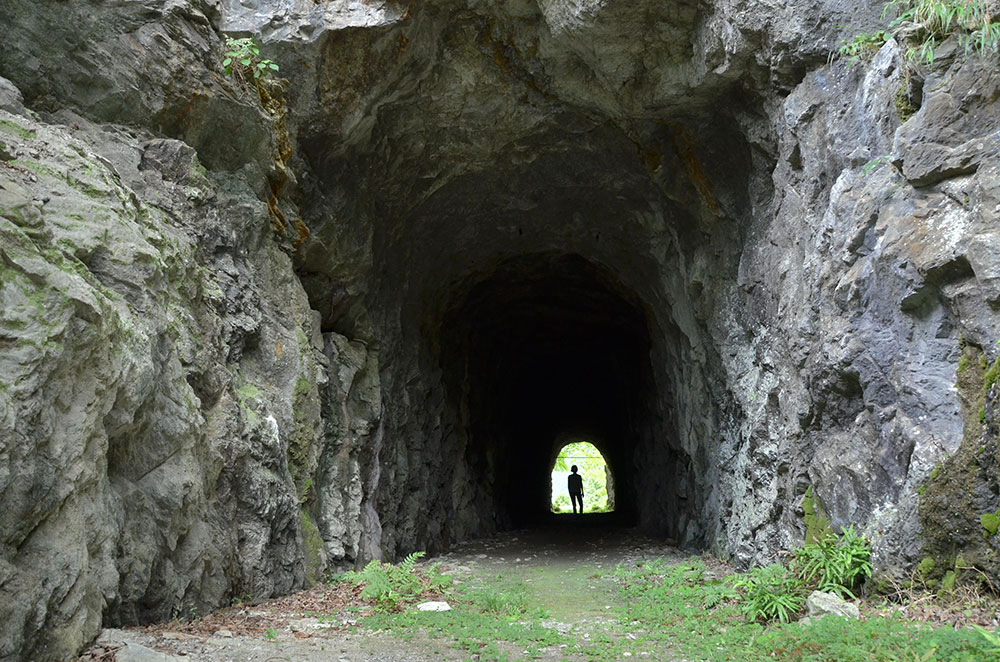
[[253, 333], [158, 359]]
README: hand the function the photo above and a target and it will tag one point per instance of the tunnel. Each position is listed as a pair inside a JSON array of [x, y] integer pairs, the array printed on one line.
[[552, 349], [552, 285]]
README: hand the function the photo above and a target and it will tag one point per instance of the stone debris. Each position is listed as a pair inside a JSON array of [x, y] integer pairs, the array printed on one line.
[[434, 605]]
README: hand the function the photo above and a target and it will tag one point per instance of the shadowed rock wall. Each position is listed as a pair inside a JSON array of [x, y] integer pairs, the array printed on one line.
[[250, 335]]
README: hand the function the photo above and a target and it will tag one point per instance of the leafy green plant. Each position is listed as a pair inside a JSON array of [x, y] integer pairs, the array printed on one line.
[[270, 634], [968, 20], [390, 586], [862, 46], [835, 564], [771, 593], [243, 60]]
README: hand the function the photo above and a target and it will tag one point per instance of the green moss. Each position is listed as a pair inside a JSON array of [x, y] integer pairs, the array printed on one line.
[[38, 168], [248, 391], [816, 521], [951, 508], [963, 362], [15, 129], [949, 581], [990, 522], [991, 376], [312, 548], [926, 566], [904, 109], [300, 444]]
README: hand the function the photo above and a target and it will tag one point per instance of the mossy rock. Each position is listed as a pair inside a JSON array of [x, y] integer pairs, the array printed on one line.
[[990, 522], [312, 548], [816, 521], [959, 513]]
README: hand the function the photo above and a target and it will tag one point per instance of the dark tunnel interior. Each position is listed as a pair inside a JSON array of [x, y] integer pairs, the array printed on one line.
[[549, 348]]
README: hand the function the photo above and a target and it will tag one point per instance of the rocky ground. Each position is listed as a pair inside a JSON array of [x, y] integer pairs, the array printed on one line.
[[563, 568]]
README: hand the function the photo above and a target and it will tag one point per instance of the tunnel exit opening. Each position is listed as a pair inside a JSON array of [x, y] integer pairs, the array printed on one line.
[[596, 479]]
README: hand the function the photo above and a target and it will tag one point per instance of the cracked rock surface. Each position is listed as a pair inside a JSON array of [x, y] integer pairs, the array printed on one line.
[[250, 334]]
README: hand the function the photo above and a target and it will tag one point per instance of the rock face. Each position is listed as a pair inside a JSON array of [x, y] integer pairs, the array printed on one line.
[[253, 333]]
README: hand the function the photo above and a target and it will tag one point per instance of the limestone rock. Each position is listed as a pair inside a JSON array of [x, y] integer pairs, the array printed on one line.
[[152, 380], [10, 97], [820, 604]]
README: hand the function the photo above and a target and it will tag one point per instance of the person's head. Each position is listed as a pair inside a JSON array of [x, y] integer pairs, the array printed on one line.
[[573, 468]]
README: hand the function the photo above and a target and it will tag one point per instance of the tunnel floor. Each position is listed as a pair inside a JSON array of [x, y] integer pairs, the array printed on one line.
[[564, 567]]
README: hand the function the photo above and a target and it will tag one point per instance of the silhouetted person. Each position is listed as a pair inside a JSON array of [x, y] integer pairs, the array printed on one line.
[[575, 483]]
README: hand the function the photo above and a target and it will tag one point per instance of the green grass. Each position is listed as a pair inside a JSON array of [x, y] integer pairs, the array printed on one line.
[[491, 622], [660, 611], [671, 602]]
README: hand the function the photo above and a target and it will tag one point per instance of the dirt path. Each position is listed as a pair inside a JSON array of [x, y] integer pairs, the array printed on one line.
[[564, 570]]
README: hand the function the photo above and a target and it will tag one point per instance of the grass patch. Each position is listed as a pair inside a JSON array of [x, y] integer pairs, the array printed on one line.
[[663, 610], [493, 622], [670, 603]]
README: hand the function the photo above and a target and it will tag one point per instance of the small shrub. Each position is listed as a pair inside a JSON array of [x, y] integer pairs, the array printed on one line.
[[771, 593], [835, 564], [243, 61]]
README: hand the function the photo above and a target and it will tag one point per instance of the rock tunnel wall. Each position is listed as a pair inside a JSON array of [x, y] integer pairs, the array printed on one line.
[[253, 335]]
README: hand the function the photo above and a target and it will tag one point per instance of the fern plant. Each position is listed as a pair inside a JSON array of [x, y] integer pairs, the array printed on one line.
[[388, 585], [835, 564], [770, 593]]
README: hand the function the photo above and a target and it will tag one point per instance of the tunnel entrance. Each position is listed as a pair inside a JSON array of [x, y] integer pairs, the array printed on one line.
[[543, 345], [583, 458]]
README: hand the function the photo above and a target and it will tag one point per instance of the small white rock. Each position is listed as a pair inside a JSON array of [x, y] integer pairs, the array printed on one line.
[[434, 606]]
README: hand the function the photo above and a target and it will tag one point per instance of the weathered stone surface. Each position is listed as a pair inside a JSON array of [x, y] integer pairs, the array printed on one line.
[[820, 604], [10, 97], [152, 351]]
